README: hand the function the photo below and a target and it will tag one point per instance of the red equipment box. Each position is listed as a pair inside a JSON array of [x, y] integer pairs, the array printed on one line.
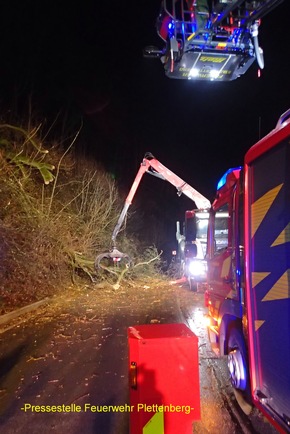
[[164, 379]]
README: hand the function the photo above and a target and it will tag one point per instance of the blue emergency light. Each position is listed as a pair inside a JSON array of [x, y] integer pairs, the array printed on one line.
[[223, 179]]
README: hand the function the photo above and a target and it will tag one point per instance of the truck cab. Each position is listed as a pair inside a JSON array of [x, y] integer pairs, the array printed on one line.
[[225, 292]]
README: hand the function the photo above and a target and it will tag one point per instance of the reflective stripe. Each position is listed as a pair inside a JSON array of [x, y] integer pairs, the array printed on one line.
[[261, 206], [155, 425]]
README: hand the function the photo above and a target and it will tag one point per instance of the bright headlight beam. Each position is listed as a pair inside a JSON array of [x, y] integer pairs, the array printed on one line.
[[197, 268]]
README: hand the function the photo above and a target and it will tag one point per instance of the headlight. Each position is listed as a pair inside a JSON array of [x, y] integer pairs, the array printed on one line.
[[197, 268]]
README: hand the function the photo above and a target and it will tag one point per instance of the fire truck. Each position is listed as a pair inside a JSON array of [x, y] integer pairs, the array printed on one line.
[[248, 276]]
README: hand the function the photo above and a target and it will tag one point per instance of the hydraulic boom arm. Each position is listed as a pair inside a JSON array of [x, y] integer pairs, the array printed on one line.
[[153, 167]]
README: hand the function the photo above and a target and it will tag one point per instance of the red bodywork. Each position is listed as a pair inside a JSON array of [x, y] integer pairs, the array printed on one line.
[[268, 302], [164, 358], [248, 292]]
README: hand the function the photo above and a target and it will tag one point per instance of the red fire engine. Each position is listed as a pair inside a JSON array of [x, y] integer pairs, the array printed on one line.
[[248, 293]]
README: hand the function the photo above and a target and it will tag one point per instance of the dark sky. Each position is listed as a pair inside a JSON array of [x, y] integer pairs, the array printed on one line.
[[86, 57]]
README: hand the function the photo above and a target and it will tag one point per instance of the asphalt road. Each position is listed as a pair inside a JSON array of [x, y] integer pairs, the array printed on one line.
[[73, 354]]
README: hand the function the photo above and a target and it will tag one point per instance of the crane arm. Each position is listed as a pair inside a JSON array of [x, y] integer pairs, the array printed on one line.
[[154, 167], [181, 186], [142, 169]]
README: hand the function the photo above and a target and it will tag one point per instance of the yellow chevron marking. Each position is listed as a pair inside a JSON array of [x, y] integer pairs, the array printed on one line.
[[226, 267], [155, 425], [280, 290], [257, 277], [261, 207], [258, 324], [284, 237]]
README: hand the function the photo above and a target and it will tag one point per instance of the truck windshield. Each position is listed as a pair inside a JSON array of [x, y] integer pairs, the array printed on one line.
[[201, 229], [221, 228], [201, 225]]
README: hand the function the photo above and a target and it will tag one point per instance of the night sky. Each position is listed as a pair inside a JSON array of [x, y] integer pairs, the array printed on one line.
[[85, 59]]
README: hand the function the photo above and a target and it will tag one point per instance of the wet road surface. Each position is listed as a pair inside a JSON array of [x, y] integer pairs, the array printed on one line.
[[72, 355]]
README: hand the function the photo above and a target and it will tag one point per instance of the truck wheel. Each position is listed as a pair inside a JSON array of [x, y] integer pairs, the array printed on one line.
[[192, 285], [238, 367]]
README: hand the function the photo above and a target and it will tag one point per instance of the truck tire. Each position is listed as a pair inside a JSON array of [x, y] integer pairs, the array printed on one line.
[[238, 368]]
